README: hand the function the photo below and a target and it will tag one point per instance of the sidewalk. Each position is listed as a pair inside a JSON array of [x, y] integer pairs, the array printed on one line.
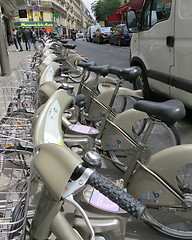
[[16, 57]]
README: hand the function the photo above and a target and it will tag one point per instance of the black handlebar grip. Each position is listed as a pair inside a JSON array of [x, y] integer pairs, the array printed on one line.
[[116, 194]]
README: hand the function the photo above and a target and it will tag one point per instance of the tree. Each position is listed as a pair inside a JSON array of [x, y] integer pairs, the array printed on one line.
[[102, 9]]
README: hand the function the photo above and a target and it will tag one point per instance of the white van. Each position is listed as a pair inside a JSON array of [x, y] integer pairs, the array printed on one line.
[[161, 45], [90, 32]]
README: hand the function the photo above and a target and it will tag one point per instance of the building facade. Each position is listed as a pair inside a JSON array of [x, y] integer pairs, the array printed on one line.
[[8, 10], [63, 15]]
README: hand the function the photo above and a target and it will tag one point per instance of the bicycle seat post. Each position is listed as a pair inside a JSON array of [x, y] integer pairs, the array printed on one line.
[[109, 109], [82, 81], [115, 91]]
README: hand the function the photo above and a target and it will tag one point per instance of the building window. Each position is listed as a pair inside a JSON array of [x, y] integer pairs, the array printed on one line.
[[30, 15]]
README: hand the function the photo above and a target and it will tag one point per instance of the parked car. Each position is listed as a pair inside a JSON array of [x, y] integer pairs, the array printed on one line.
[[101, 35], [80, 35], [120, 35], [90, 32]]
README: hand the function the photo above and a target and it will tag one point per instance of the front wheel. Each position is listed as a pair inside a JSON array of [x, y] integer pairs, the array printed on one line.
[[176, 221]]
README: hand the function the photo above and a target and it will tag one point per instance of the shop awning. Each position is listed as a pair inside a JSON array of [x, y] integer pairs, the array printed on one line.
[[117, 16]]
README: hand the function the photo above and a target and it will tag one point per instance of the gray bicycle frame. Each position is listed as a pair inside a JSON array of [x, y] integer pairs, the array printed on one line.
[[156, 172]]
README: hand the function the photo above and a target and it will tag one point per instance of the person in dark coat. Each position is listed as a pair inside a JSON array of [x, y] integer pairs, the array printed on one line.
[[14, 34], [34, 34], [19, 36], [27, 39]]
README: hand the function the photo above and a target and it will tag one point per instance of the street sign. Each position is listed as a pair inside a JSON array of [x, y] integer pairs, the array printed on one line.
[[56, 15], [36, 14], [36, 8]]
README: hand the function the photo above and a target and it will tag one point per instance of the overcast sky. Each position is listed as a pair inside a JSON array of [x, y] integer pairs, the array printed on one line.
[[88, 4]]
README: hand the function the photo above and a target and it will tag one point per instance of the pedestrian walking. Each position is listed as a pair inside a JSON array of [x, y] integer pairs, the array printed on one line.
[[41, 32], [27, 39], [33, 37], [19, 35], [14, 36]]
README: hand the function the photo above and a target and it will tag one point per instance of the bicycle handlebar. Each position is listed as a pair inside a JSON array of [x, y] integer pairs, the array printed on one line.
[[116, 194]]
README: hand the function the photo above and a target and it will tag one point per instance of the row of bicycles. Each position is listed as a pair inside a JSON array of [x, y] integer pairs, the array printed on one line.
[[62, 118]]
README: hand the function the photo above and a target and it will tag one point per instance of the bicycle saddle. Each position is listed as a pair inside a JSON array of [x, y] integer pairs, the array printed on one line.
[[129, 74], [63, 69], [69, 46], [63, 41], [86, 64], [102, 70], [61, 59], [57, 53], [169, 111]]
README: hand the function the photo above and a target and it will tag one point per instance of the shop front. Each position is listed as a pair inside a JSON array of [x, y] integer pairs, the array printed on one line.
[[46, 25]]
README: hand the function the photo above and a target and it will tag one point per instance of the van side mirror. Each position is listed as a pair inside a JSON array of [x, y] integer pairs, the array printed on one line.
[[132, 21]]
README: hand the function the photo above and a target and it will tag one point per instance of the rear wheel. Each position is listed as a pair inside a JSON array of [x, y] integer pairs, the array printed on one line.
[[161, 137]]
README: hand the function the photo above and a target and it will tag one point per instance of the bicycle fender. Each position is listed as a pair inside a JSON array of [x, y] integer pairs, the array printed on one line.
[[165, 165], [47, 61], [47, 128], [113, 138], [91, 81], [49, 73], [46, 90], [76, 59], [46, 54], [96, 110], [54, 165]]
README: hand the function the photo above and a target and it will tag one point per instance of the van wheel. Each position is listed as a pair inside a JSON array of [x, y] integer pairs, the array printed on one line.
[[142, 83]]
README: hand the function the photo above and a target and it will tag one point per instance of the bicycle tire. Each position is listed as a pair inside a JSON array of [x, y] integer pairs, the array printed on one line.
[[176, 223], [161, 137]]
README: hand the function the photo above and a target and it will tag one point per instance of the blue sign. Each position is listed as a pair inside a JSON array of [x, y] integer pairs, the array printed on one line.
[[36, 8]]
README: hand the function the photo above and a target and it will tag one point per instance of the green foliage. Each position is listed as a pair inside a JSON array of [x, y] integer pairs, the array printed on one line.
[[102, 9]]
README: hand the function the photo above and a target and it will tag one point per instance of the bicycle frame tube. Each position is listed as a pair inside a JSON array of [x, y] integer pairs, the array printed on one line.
[[48, 217]]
